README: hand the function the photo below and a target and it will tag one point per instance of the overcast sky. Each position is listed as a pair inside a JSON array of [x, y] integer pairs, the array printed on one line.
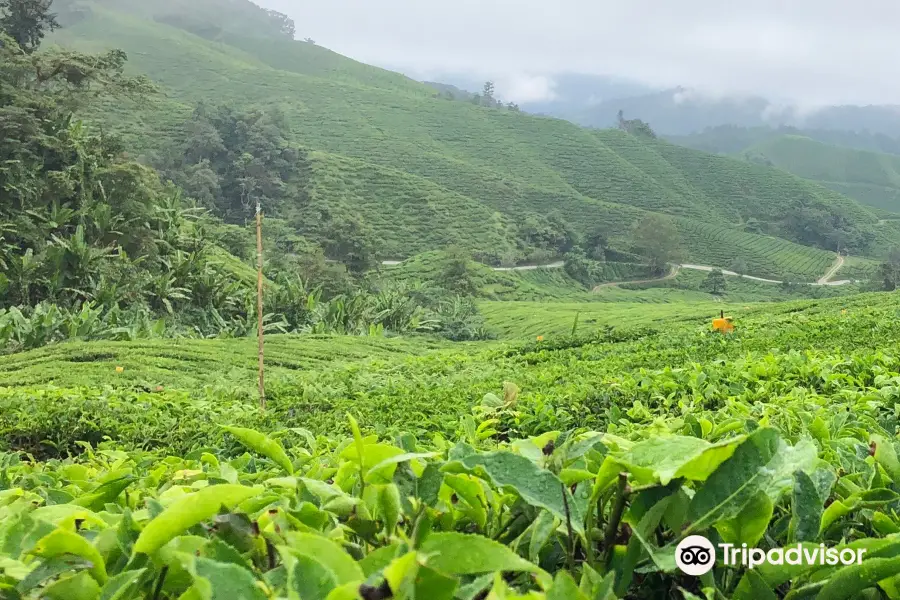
[[811, 51]]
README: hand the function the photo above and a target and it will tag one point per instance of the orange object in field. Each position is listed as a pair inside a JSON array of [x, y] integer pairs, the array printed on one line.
[[723, 324]]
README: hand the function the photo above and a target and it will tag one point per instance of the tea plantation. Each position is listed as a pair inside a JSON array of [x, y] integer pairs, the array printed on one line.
[[559, 467], [388, 149], [432, 427]]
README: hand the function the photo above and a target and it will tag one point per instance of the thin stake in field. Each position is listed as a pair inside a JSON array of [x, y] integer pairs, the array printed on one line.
[[259, 306]]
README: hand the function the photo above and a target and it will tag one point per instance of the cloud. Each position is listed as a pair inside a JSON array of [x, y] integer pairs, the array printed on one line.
[[526, 88], [812, 51]]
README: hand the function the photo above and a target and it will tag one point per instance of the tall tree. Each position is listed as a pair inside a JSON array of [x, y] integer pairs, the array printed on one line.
[[487, 94], [635, 127], [657, 240], [714, 282], [596, 244], [283, 23], [456, 274], [27, 21], [889, 271], [230, 158]]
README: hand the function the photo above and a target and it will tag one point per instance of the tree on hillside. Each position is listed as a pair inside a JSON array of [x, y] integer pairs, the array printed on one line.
[[350, 240], [230, 158], [739, 266], [283, 24], [635, 127], [580, 268], [487, 93], [27, 21], [513, 107], [888, 273], [456, 273], [714, 282], [74, 210], [549, 233], [656, 239], [596, 244], [823, 225]]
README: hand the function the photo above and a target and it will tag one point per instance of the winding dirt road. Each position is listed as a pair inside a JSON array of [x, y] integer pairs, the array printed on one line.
[[824, 280]]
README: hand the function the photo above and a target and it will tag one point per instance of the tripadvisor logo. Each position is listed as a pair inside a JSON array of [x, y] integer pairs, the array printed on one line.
[[696, 555]]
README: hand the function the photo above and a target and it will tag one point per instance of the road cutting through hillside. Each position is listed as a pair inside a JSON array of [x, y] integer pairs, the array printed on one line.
[[826, 279], [673, 272]]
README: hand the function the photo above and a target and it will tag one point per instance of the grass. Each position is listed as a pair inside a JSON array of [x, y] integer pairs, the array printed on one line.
[[428, 172]]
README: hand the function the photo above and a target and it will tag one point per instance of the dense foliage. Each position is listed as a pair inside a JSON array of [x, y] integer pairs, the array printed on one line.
[[517, 498], [96, 246]]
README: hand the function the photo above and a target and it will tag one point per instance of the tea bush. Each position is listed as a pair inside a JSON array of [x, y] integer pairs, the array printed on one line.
[[572, 514]]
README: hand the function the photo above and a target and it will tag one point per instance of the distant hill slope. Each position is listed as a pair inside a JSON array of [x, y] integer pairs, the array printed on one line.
[[424, 170], [731, 139], [841, 161], [685, 111]]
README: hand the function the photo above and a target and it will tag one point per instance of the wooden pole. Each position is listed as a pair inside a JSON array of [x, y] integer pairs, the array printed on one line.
[[259, 307]]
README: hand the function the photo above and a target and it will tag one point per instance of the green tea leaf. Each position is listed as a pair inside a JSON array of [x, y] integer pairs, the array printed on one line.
[[802, 456], [378, 559], [401, 571], [735, 482], [434, 585], [308, 579], [62, 542], [78, 587], [382, 472], [262, 444], [221, 581], [806, 509], [470, 490], [836, 510], [886, 456], [670, 457], [565, 588], [461, 554], [884, 525], [849, 581], [541, 531], [188, 511], [328, 553], [388, 507], [47, 569], [122, 586], [753, 587], [750, 524], [104, 494], [536, 486]]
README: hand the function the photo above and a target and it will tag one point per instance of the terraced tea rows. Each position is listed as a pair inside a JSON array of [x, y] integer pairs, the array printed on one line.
[[417, 159], [425, 386], [764, 256], [195, 364]]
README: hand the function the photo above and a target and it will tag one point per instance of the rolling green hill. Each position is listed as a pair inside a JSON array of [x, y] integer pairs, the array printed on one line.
[[865, 167], [872, 178], [426, 172]]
